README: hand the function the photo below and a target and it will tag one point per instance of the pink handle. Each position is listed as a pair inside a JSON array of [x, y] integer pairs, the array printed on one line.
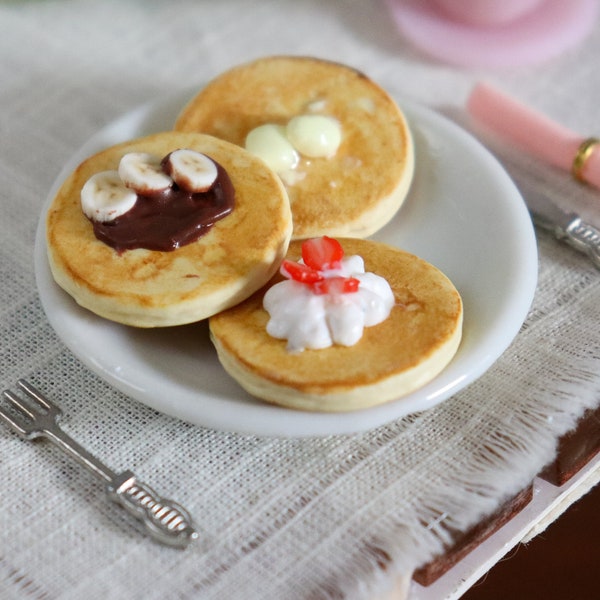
[[531, 131]]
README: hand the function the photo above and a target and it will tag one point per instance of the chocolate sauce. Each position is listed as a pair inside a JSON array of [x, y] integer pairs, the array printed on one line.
[[169, 219]]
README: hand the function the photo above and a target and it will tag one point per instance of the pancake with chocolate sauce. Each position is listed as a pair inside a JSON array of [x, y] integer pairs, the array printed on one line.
[[393, 358], [353, 193], [151, 288]]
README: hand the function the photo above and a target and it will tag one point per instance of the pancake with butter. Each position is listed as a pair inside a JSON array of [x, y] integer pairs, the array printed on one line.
[[393, 358], [353, 193], [161, 287]]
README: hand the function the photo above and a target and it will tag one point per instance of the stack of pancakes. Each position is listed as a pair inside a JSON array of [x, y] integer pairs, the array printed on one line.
[[224, 274]]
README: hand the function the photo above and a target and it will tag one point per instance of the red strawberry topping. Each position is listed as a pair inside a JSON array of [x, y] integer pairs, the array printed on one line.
[[320, 254], [299, 272], [336, 285]]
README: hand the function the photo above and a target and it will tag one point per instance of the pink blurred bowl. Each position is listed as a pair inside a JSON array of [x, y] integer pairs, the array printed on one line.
[[487, 12]]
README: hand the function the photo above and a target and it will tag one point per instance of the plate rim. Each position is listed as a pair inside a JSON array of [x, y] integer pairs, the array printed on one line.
[[250, 417]]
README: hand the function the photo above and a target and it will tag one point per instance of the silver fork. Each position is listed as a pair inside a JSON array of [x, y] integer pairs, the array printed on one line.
[[165, 520]]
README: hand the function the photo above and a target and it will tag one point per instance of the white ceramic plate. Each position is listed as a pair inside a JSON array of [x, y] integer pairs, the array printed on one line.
[[463, 214]]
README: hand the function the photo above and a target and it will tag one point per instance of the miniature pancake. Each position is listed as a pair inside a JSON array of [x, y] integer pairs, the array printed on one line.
[[188, 282], [361, 184], [393, 358]]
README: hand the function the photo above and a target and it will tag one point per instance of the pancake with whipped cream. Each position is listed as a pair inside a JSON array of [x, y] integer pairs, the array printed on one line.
[[167, 229], [283, 354], [340, 143]]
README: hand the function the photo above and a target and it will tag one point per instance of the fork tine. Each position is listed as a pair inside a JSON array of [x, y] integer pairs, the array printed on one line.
[[18, 403], [9, 420], [21, 426], [36, 395]]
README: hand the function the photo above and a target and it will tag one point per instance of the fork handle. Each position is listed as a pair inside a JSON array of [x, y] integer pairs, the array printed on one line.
[[165, 520], [584, 237]]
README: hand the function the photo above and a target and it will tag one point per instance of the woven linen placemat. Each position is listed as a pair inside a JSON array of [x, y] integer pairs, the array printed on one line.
[[330, 517]]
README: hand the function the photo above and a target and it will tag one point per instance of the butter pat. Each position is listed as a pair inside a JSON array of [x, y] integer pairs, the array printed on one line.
[[280, 146], [314, 136], [270, 143]]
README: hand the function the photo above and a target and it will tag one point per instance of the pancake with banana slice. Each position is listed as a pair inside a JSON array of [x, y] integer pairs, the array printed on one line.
[[340, 143], [167, 229], [326, 366]]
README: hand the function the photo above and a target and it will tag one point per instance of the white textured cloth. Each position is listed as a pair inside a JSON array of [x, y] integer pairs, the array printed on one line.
[[334, 517]]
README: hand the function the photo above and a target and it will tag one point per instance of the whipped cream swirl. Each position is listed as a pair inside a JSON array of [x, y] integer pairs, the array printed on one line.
[[312, 321]]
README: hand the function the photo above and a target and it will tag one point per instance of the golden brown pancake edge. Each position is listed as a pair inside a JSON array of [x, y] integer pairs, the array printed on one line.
[[362, 187], [391, 360], [148, 288]]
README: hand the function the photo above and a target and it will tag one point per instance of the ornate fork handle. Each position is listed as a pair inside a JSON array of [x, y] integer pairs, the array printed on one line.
[[167, 521], [584, 237], [36, 416]]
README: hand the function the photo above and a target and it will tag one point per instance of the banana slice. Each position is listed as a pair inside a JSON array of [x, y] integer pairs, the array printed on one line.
[[192, 171], [105, 197], [143, 173]]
